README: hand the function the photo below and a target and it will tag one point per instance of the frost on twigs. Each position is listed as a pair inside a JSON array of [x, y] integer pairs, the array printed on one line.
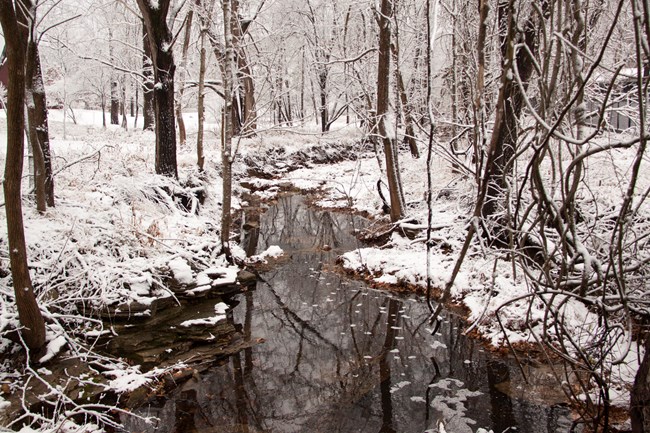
[[117, 240]]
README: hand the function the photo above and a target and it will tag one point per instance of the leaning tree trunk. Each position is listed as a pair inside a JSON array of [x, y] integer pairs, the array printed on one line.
[[407, 109], [383, 77], [160, 41], [31, 319], [509, 105]]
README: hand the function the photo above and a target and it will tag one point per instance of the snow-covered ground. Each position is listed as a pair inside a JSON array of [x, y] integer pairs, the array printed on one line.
[[115, 229]]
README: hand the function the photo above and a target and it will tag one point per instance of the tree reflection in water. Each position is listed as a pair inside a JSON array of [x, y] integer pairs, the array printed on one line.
[[340, 357]]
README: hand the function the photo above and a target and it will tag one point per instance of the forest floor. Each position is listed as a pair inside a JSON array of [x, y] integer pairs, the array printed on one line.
[[119, 234]]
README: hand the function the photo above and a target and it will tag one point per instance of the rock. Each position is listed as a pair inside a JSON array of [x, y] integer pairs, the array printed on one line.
[[166, 339], [133, 310], [245, 277]]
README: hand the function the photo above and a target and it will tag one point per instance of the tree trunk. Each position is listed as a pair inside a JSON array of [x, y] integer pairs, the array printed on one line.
[[31, 319], [479, 138], [201, 106], [640, 395], [37, 160], [247, 106], [148, 113], [103, 102], [125, 124], [509, 104], [136, 106], [115, 103], [39, 136], [322, 86], [409, 137], [226, 150], [243, 116], [160, 40], [115, 97], [288, 109], [182, 134], [383, 82], [302, 88]]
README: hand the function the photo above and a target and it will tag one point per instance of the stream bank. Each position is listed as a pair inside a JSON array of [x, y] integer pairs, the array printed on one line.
[[333, 354]]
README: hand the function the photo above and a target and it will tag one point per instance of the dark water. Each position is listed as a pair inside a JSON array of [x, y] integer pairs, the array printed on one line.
[[338, 356]]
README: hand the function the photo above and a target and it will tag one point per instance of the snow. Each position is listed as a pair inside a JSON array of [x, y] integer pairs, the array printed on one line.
[[220, 310], [113, 236], [228, 274], [181, 270], [127, 380], [273, 251], [4, 404], [115, 229], [399, 386], [54, 346]]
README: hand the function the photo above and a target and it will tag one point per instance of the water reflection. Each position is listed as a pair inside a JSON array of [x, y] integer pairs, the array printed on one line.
[[340, 357]]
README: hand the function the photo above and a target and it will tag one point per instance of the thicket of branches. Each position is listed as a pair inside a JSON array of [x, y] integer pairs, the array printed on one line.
[[559, 176]]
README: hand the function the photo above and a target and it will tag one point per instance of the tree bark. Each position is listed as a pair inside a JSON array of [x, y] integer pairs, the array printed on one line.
[[383, 82], [246, 111], [640, 395], [480, 117], [201, 106], [160, 42], [324, 110], [182, 134], [115, 103], [409, 137], [31, 319], [509, 105], [243, 107], [148, 114], [226, 125], [115, 98], [125, 124], [37, 117]]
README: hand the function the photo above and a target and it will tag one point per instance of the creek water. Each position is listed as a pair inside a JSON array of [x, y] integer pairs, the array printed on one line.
[[337, 356]]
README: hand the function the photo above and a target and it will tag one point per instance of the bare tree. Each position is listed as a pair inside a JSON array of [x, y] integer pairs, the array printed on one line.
[[245, 107], [406, 107], [182, 134], [148, 112], [571, 246], [229, 75], [33, 331], [115, 97], [160, 42], [383, 82], [510, 102], [201, 101], [36, 103]]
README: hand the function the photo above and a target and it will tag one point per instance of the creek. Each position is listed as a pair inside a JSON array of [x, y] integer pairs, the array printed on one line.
[[335, 355]]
